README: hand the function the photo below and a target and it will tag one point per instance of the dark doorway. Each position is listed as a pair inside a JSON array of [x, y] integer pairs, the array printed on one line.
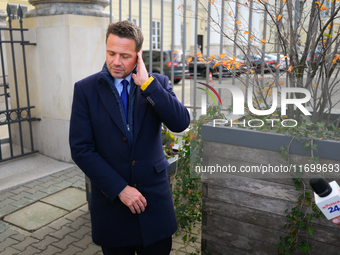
[[200, 42]]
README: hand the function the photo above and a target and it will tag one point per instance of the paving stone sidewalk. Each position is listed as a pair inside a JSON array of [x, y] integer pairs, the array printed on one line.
[[70, 234]]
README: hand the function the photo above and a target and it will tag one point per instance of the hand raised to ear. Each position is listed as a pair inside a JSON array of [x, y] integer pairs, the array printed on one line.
[[142, 74]]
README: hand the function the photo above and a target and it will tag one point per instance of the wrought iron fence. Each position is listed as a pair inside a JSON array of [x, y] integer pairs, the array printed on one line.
[[194, 4], [17, 112], [278, 28]]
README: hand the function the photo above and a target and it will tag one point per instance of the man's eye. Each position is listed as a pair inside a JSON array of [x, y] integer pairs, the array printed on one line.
[[125, 57]]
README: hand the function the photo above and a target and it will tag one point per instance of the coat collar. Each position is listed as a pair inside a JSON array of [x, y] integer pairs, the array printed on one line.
[[109, 101]]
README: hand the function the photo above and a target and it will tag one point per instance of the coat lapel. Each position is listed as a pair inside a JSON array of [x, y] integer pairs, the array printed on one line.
[[109, 101], [139, 111]]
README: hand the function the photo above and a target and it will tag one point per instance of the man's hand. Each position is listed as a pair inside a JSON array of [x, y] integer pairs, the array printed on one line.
[[133, 199], [336, 221], [142, 74]]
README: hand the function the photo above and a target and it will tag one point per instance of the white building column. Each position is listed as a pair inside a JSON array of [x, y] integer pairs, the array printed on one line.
[[215, 36], [177, 26], [192, 20], [255, 24], [229, 27]]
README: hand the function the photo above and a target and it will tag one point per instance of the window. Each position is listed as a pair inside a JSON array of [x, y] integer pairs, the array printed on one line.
[[156, 34], [301, 9], [326, 3], [14, 10], [134, 20]]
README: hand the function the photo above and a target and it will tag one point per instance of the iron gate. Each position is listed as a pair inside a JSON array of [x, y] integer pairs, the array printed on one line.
[[15, 113]]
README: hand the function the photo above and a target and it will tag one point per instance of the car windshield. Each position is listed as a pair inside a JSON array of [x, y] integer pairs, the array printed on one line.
[[156, 56], [177, 55]]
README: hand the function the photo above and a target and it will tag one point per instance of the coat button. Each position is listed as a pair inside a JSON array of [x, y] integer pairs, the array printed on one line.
[[135, 185], [133, 162], [124, 139]]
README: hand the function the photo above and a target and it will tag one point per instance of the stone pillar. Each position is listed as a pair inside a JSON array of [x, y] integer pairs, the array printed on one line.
[[69, 46], [79, 7]]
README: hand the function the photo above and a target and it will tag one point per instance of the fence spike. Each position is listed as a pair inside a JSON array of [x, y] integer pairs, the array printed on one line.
[[20, 12], [8, 11]]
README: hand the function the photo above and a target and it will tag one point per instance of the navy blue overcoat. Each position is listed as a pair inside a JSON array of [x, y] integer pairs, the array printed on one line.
[[99, 146]]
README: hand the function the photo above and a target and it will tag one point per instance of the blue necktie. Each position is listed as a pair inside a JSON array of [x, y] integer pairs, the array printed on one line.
[[125, 98]]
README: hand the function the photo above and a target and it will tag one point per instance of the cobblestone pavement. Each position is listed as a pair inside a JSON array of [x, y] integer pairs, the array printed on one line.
[[70, 234]]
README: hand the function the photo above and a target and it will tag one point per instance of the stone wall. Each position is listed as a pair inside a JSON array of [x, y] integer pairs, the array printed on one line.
[[245, 213], [68, 48]]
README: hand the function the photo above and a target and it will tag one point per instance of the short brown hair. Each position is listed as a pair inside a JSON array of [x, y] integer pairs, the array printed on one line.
[[126, 29]]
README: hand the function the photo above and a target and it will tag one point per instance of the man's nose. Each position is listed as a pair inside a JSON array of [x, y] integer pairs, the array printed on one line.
[[116, 60]]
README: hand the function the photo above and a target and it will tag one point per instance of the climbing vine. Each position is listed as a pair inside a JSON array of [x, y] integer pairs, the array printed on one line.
[[187, 192]]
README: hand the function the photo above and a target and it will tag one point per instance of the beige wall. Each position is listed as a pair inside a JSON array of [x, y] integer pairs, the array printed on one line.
[[156, 9], [3, 4]]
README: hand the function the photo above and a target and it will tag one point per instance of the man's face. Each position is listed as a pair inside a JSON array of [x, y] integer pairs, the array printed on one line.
[[121, 56]]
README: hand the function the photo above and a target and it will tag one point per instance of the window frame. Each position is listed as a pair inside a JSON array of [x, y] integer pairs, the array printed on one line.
[[15, 16], [156, 34]]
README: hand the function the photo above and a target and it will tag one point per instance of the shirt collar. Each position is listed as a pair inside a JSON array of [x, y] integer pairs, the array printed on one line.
[[119, 85], [118, 81]]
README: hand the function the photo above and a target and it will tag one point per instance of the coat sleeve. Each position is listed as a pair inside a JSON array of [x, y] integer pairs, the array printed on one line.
[[83, 150], [172, 112]]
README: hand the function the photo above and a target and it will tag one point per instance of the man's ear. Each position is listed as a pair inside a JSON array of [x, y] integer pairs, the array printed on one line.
[[134, 70]]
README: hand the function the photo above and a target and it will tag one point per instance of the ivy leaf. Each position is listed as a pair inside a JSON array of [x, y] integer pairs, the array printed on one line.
[[314, 147], [309, 231], [304, 247], [309, 218]]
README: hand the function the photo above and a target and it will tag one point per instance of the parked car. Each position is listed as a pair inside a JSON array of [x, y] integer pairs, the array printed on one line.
[[273, 57], [316, 56], [240, 65], [318, 52], [256, 62], [167, 56], [202, 69]]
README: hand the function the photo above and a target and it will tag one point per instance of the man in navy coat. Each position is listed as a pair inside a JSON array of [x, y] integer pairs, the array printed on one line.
[[115, 138]]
